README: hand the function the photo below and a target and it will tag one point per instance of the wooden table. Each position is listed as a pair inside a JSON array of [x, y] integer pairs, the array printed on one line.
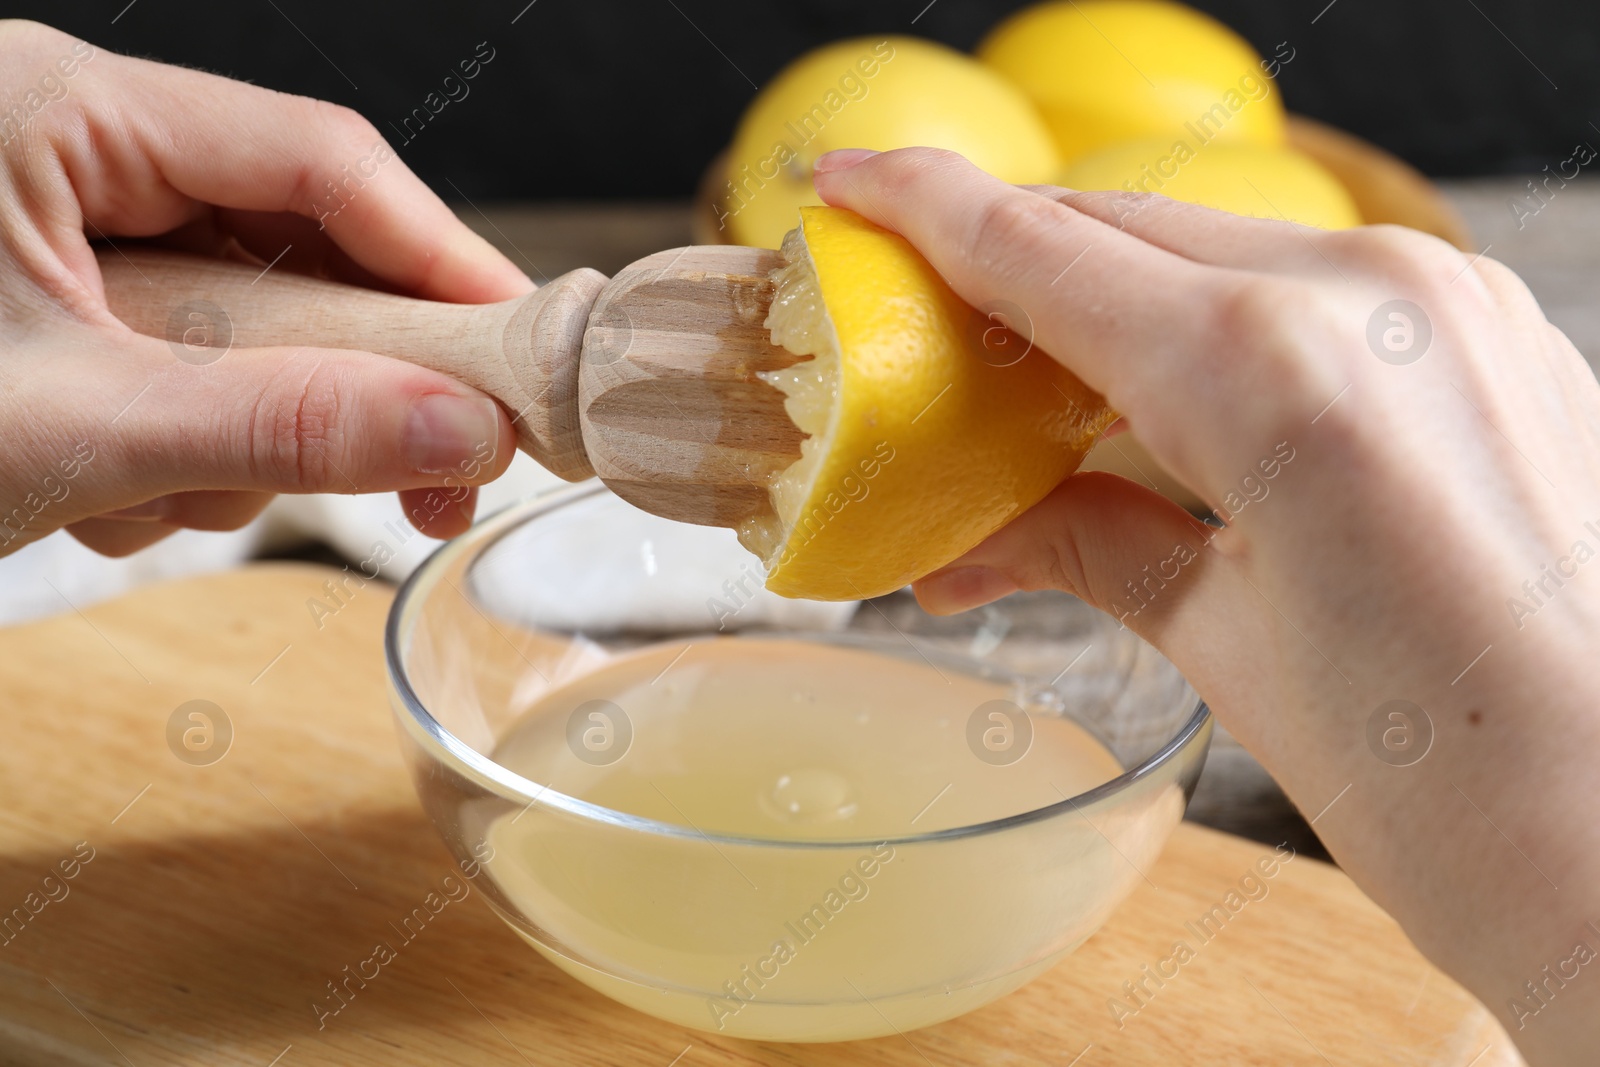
[[211, 901]]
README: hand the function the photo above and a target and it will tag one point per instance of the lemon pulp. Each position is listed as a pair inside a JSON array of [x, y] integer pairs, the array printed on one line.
[[798, 322]]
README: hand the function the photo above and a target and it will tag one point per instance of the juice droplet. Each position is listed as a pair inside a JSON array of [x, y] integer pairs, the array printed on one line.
[[810, 795]]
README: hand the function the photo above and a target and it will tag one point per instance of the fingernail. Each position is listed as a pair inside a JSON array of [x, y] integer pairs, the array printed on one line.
[[443, 432], [841, 159], [961, 588]]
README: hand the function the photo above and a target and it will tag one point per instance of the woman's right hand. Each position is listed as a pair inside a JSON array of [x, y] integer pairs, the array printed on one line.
[[1406, 457]]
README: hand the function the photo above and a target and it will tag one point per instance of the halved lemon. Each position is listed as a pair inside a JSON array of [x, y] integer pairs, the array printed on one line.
[[930, 424]]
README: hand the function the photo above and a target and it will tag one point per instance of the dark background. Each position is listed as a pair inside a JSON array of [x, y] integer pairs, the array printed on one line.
[[630, 98]]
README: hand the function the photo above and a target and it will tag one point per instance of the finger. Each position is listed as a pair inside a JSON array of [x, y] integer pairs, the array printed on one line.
[[1144, 561], [1207, 363], [115, 538], [297, 420], [204, 509], [1201, 234], [440, 512], [274, 239], [1124, 549], [1120, 322], [171, 136]]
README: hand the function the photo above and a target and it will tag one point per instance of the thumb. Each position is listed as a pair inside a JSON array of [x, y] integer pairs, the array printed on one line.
[[1112, 543], [308, 420]]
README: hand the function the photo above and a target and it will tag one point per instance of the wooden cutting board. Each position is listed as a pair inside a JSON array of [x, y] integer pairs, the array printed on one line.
[[209, 905]]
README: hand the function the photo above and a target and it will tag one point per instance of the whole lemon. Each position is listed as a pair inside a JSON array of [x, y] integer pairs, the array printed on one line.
[[1258, 180], [1103, 71], [872, 92]]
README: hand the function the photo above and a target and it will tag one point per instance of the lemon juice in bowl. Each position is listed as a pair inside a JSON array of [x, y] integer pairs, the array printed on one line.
[[755, 749], [828, 822]]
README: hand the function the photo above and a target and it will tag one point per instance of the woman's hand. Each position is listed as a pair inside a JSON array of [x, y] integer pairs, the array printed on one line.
[[1406, 459], [110, 434]]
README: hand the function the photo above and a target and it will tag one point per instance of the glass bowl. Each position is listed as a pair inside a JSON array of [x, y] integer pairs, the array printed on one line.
[[787, 868]]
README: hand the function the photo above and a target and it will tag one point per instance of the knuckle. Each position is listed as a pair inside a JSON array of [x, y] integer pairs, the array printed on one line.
[[1261, 311], [1502, 283], [901, 171], [296, 429], [1008, 218], [1007, 232], [1061, 567], [1406, 257], [1497, 273], [1367, 244], [342, 126], [1279, 329], [338, 137]]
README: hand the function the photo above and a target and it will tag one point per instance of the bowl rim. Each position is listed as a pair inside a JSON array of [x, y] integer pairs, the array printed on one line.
[[468, 762]]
